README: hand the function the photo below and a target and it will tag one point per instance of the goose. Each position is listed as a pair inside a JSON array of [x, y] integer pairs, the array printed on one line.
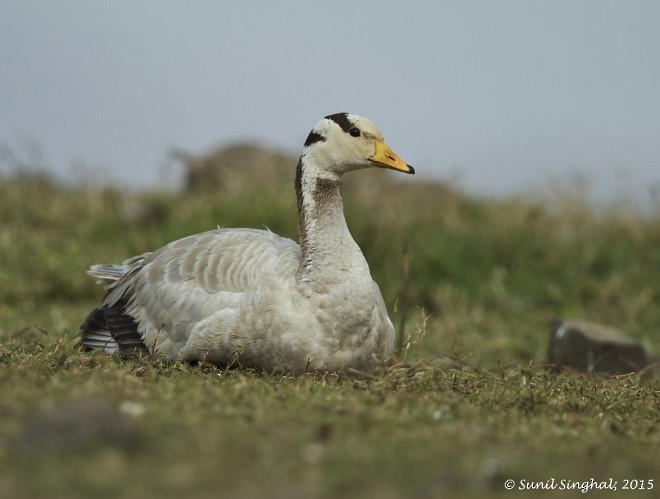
[[248, 297]]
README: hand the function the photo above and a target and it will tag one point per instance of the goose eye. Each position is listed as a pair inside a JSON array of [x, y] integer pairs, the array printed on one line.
[[354, 132]]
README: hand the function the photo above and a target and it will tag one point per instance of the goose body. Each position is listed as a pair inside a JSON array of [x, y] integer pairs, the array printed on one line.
[[251, 297]]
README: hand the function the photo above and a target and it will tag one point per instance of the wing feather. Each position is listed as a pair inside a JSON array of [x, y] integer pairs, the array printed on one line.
[[158, 298]]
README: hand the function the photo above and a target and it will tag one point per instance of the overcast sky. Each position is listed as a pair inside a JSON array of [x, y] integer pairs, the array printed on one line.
[[500, 96]]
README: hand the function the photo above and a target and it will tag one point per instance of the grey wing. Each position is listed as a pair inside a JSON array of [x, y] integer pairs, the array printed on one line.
[[167, 292]]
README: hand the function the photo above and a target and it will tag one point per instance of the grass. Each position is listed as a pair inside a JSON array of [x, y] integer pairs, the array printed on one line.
[[467, 405]]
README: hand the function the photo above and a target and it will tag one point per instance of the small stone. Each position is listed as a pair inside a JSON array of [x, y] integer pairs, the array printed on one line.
[[590, 347], [76, 425]]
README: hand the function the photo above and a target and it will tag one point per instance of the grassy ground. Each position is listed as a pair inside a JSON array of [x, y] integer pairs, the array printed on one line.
[[467, 405]]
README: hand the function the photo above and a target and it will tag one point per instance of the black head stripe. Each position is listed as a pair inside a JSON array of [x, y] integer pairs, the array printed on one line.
[[342, 120], [314, 137]]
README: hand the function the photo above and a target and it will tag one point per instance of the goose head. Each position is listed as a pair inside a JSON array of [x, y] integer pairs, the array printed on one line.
[[343, 142]]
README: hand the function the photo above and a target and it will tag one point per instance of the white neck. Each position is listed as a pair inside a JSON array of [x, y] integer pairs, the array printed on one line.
[[329, 253]]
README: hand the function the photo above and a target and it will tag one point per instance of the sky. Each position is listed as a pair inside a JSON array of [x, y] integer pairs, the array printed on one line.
[[498, 97]]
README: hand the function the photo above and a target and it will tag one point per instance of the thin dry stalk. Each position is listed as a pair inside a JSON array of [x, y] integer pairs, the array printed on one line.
[[405, 286]]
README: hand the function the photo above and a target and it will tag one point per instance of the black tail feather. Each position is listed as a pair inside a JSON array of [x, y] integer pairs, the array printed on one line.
[[112, 330]]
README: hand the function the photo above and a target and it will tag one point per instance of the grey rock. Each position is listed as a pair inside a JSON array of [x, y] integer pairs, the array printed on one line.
[[591, 347], [74, 426]]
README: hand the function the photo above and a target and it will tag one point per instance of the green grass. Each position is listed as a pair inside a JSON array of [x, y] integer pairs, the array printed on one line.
[[466, 406]]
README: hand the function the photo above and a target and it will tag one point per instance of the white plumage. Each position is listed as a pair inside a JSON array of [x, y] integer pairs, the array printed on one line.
[[251, 297]]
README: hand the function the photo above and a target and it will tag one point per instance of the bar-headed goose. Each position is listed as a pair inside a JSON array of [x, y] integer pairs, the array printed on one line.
[[251, 297]]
